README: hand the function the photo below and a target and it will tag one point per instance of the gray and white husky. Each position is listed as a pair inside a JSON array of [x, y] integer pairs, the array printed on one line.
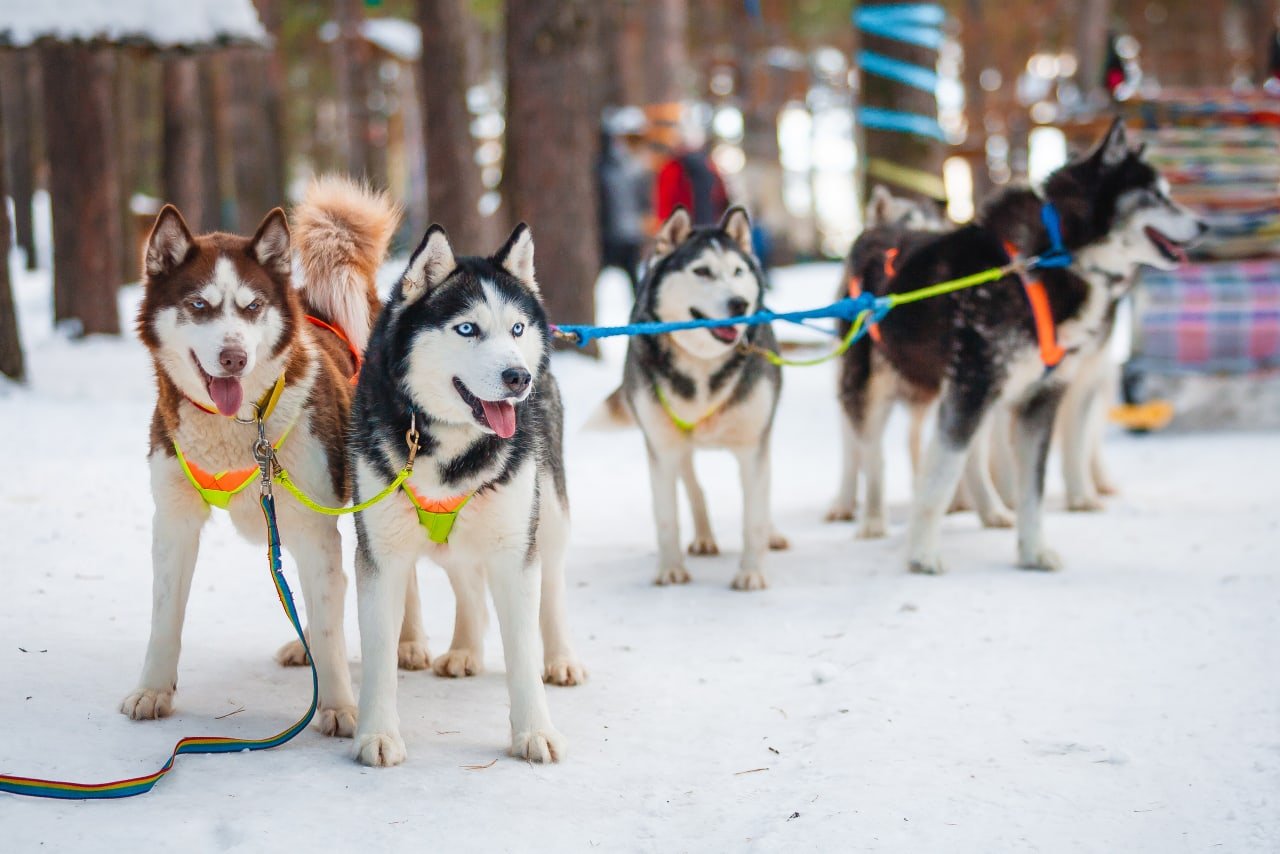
[[977, 350], [460, 358], [698, 388]]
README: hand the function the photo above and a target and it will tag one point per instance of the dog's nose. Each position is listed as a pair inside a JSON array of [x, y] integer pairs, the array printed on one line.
[[1201, 227], [516, 379], [738, 306], [233, 360]]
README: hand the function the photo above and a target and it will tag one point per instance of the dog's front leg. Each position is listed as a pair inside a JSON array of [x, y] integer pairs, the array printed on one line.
[[664, 472], [516, 587], [317, 547], [1075, 427], [1033, 428], [175, 542], [381, 584], [754, 470], [977, 478], [846, 503], [561, 665], [939, 476]]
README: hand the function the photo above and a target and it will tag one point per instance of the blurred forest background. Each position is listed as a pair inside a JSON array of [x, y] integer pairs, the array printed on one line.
[[480, 113]]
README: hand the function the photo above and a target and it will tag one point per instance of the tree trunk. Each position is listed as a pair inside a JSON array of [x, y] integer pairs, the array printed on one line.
[[551, 148], [272, 15], [974, 37], [351, 68], [10, 344], [918, 153], [182, 165], [258, 187], [83, 186], [213, 214], [453, 178], [622, 79], [15, 100]]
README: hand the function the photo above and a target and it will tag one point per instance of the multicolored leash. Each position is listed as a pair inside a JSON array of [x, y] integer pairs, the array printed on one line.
[[38, 788]]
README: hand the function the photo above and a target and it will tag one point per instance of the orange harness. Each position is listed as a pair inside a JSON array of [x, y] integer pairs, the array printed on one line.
[[1051, 353], [437, 515], [342, 336], [855, 287]]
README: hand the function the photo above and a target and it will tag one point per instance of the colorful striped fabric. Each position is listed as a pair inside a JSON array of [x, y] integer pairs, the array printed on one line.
[[38, 788], [1209, 318]]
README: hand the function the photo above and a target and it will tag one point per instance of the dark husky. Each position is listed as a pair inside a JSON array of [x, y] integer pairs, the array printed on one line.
[[460, 355], [978, 348], [698, 389]]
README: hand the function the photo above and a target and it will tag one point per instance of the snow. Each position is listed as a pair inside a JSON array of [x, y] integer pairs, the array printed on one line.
[[1128, 703], [162, 23], [398, 37]]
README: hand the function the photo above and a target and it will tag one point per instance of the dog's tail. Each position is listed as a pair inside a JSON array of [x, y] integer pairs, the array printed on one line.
[[342, 229], [612, 414]]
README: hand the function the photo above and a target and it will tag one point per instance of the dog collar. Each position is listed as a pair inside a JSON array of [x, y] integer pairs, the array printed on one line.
[[683, 425], [437, 516], [265, 406]]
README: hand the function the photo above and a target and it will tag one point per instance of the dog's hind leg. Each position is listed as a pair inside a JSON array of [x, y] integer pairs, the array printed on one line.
[[381, 585], [1074, 425], [175, 541], [704, 539], [470, 621], [757, 527], [977, 479], [846, 503], [516, 591], [664, 472], [561, 665], [1004, 467], [1033, 428], [412, 653], [317, 548], [878, 403]]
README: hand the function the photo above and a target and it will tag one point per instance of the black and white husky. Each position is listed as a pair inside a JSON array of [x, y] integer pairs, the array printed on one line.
[[977, 349], [697, 388], [460, 355]]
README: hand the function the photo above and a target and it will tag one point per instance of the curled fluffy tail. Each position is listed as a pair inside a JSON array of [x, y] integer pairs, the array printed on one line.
[[342, 229], [612, 414]]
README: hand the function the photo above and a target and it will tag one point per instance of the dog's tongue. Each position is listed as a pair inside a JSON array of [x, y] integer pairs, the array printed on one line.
[[227, 394], [501, 415]]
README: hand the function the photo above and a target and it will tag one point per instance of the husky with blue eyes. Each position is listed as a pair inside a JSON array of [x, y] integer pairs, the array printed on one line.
[[457, 383]]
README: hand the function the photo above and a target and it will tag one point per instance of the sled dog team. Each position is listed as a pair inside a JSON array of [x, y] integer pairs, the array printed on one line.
[[455, 367]]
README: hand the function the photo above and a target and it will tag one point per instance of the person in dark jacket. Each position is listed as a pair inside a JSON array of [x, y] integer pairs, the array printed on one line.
[[623, 183]]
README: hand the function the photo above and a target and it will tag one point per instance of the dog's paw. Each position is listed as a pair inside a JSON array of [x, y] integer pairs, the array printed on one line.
[[749, 580], [931, 565], [778, 543], [1106, 487], [413, 655], [998, 518], [380, 749], [959, 505], [1085, 504], [293, 654], [673, 575], [539, 745], [1045, 559], [339, 722], [840, 513], [564, 670], [146, 704], [703, 546], [458, 662], [872, 528]]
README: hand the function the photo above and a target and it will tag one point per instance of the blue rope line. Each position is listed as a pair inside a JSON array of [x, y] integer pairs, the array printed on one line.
[[898, 70], [879, 118], [912, 23]]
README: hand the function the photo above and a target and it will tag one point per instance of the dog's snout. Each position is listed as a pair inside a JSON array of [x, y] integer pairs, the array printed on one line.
[[1201, 227], [738, 306], [516, 379], [233, 360]]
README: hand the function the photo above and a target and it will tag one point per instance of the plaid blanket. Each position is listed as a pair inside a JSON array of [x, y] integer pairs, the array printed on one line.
[[1209, 318]]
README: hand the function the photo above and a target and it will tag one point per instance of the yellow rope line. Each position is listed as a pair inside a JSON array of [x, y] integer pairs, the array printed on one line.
[[282, 477]]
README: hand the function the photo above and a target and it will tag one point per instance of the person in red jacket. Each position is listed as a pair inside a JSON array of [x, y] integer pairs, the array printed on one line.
[[689, 179]]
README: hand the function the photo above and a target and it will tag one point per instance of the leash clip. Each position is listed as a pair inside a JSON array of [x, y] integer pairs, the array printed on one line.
[[411, 439], [264, 453]]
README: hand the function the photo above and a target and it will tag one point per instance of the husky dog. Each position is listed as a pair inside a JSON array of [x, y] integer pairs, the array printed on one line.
[[870, 263], [698, 389], [459, 365], [231, 338], [977, 349]]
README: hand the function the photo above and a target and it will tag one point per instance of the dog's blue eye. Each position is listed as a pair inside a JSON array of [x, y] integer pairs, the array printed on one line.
[[517, 330], [738, 272], [253, 306], [199, 304], [466, 330], [703, 272]]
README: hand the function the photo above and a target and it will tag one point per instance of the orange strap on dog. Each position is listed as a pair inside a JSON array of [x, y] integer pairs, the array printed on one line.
[[855, 288], [1046, 332], [342, 336]]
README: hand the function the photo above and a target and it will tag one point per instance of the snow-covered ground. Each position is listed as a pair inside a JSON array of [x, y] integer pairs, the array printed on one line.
[[1128, 703]]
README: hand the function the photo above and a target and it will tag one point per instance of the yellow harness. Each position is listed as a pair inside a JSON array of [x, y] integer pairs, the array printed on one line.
[[437, 516], [683, 425], [218, 488]]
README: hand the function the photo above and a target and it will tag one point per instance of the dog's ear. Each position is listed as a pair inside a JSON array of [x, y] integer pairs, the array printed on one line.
[[432, 262], [516, 256], [1114, 148], [169, 245], [878, 206], [737, 225], [270, 245], [674, 231]]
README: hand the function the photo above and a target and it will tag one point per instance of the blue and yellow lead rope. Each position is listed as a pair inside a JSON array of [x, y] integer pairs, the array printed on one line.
[[199, 744]]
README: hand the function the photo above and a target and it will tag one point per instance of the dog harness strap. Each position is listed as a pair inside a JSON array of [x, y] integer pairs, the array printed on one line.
[[683, 425], [437, 515], [217, 489], [1041, 313], [356, 355]]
